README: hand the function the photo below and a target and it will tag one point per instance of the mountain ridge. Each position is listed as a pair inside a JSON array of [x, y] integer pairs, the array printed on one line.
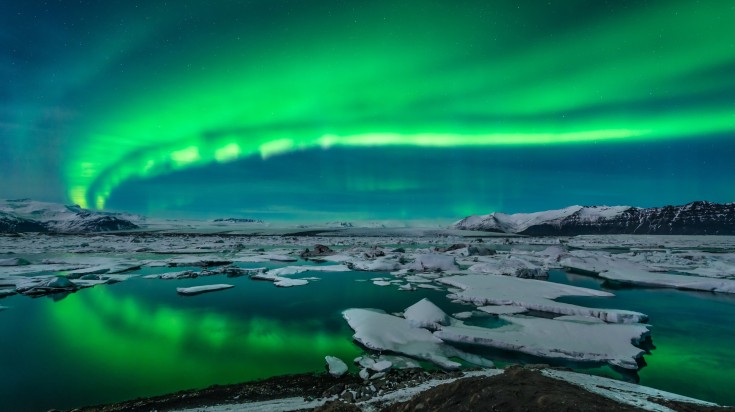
[[26, 215], [694, 218]]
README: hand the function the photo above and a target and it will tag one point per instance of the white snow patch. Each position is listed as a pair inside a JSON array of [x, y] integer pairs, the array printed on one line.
[[622, 392]]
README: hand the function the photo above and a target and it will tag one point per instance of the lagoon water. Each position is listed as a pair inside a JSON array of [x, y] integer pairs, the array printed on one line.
[[139, 338], [692, 331]]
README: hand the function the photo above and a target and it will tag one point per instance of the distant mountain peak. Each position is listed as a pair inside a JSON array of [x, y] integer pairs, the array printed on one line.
[[695, 218], [26, 215]]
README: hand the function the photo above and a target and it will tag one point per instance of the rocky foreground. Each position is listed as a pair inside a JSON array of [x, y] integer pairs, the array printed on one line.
[[514, 389]]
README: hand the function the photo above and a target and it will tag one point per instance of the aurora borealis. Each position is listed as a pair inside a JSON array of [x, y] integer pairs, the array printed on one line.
[[375, 110]]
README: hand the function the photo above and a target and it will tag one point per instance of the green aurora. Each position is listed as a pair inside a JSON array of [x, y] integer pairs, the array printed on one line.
[[157, 89]]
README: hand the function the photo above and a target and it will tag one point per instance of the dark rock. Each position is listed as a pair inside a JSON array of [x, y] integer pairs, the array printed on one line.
[[13, 224], [455, 246], [480, 250], [319, 250]]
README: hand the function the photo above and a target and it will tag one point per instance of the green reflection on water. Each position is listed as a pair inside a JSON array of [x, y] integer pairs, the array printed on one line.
[[163, 348], [692, 333]]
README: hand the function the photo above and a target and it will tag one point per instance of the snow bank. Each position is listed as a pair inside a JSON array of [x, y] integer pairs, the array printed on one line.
[[336, 366]]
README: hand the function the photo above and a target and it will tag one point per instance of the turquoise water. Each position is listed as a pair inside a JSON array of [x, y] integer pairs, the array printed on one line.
[[692, 331], [139, 338]]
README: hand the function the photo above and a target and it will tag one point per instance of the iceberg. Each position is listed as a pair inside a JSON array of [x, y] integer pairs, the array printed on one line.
[[336, 366]]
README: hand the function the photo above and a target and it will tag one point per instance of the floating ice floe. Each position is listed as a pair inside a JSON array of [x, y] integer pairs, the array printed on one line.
[[407, 287], [381, 264], [186, 274], [195, 290], [14, 262], [434, 262], [336, 366], [46, 285], [266, 258], [293, 270], [10, 280], [557, 339], [510, 266], [623, 271], [287, 283], [278, 280], [380, 331], [7, 292], [532, 294]]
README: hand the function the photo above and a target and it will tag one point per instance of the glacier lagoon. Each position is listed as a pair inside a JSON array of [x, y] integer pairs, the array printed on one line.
[[139, 338]]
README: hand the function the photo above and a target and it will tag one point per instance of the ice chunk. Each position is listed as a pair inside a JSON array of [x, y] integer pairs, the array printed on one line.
[[382, 264], [399, 362], [510, 266], [293, 270], [557, 339], [534, 295], [287, 283], [381, 366], [624, 271], [195, 290], [434, 262], [186, 274], [379, 331], [14, 262], [336, 366], [46, 285], [425, 314]]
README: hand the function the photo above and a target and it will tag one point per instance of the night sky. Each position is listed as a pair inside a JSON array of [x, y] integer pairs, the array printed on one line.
[[327, 110]]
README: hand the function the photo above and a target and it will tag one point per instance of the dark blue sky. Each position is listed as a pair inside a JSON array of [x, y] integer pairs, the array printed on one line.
[[326, 110]]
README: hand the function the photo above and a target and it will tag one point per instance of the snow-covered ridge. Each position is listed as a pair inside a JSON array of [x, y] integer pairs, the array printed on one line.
[[25, 215], [696, 218]]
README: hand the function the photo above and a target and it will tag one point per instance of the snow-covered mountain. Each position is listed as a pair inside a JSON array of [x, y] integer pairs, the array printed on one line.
[[696, 218], [25, 215]]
